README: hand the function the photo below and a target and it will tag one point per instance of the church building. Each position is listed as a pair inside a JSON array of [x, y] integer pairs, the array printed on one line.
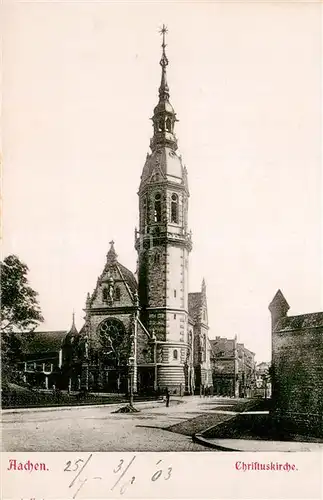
[[148, 325]]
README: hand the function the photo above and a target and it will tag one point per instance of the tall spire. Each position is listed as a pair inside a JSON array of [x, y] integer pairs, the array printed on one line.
[[164, 115], [163, 89]]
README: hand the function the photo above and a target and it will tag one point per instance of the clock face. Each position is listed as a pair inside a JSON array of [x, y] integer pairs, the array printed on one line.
[[112, 332]]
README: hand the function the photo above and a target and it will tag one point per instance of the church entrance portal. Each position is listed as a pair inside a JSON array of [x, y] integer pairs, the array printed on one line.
[[146, 378], [115, 380]]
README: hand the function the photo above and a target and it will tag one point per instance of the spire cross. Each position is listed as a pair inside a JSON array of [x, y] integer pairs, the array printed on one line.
[[163, 32], [111, 242], [164, 60]]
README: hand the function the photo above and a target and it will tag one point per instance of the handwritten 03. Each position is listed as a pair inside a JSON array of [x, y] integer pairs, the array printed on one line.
[[122, 473]]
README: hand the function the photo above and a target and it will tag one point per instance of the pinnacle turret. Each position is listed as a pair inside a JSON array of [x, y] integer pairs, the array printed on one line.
[[73, 331], [111, 255]]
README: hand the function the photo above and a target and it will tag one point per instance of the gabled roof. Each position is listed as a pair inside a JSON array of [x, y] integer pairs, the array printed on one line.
[[42, 342], [241, 347], [222, 347], [114, 271]]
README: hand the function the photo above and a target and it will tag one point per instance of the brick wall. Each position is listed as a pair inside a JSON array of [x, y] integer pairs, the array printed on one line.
[[298, 378], [297, 369]]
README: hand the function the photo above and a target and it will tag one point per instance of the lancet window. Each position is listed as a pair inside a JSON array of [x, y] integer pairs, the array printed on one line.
[[157, 214], [174, 208]]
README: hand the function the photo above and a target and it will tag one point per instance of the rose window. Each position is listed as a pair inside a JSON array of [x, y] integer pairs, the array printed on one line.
[[112, 332]]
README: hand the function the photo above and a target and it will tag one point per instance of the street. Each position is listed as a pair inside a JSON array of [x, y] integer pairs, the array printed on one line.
[[99, 429]]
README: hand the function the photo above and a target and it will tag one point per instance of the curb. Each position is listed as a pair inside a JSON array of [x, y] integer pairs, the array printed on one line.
[[198, 438], [66, 408]]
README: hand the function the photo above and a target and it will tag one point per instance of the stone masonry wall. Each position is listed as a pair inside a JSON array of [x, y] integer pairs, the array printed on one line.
[[298, 379]]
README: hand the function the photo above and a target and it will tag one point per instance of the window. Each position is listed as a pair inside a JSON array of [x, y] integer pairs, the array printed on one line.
[[117, 294], [174, 293], [157, 258], [168, 125], [157, 207], [174, 209], [112, 333], [105, 294], [174, 316], [175, 354], [161, 125], [145, 210], [204, 353]]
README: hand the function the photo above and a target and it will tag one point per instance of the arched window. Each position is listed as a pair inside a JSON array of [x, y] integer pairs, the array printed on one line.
[[175, 354], [105, 294], [117, 294], [174, 209], [161, 125], [168, 125], [157, 207]]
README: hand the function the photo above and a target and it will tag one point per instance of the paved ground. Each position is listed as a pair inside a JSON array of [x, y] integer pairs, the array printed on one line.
[[99, 429], [251, 445]]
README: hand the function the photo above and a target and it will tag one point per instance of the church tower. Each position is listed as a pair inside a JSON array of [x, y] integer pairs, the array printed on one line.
[[163, 243]]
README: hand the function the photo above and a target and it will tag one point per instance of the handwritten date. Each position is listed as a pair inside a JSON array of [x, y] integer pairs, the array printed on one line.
[[122, 472]]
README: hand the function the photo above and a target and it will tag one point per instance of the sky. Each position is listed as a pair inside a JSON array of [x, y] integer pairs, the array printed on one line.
[[80, 81]]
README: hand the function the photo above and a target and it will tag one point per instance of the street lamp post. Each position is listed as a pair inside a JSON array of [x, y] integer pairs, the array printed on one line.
[[131, 366]]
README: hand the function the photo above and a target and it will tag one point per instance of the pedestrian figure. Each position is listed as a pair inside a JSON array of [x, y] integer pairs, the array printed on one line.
[[167, 397]]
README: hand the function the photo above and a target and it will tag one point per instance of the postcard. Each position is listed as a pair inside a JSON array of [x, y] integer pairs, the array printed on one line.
[[161, 269]]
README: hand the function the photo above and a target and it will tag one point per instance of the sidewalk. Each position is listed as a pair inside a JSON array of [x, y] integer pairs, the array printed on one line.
[[251, 445]]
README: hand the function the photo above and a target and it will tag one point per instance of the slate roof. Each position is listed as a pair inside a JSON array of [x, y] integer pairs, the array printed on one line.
[[169, 163], [42, 342], [129, 277], [303, 321], [194, 305], [279, 301]]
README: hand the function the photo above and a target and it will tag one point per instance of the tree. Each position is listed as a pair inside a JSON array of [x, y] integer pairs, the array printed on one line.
[[20, 312], [267, 378]]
